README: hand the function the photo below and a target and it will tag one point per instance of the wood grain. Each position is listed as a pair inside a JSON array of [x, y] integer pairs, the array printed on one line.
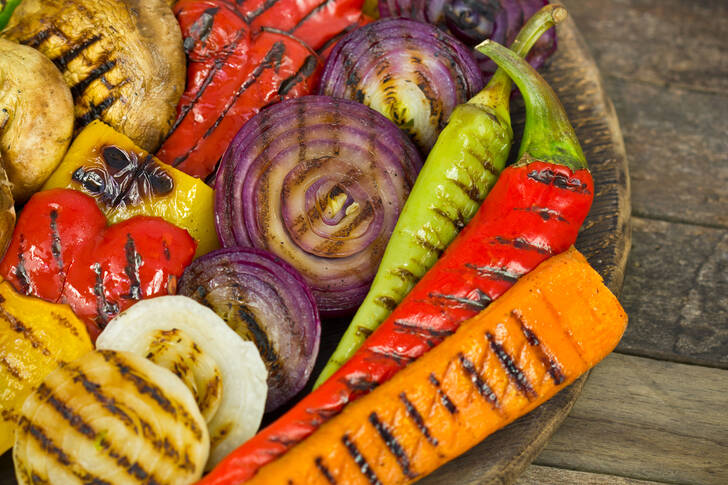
[[676, 292], [662, 42], [647, 419], [544, 475]]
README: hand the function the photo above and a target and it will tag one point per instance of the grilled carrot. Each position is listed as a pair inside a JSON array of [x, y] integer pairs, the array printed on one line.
[[552, 326]]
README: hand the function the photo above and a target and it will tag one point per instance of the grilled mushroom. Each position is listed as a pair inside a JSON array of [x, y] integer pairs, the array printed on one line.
[[36, 118], [123, 59]]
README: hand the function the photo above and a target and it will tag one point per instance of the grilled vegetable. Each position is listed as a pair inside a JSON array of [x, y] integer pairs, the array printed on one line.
[[6, 10], [531, 343], [266, 301], [232, 75], [62, 251], [36, 117], [460, 170], [36, 336], [127, 181], [224, 372], [7, 209], [110, 417], [320, 182], [411, 72], [472, 21], [122, 59]]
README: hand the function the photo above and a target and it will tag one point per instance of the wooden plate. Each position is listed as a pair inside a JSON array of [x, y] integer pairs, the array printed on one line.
[[604, 239]]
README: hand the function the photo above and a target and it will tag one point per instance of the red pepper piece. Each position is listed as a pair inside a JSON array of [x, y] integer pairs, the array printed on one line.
[[232, 75], [62, 251], [138, 258], [534, 211], [53, 226]]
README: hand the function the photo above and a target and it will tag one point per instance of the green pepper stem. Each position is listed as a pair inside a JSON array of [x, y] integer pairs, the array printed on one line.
[[497, 93], [548, 134]]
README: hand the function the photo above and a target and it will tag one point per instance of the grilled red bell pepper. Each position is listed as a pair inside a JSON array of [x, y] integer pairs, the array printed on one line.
[[534, 211], [242, 57], [63, 251]]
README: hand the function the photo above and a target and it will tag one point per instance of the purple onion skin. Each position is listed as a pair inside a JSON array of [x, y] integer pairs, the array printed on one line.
[[266, 301], [473, 21], [320, 182], [412, 72]]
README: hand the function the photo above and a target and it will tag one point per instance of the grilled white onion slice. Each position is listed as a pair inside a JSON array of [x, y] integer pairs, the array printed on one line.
[[225, 373], [110, 417]]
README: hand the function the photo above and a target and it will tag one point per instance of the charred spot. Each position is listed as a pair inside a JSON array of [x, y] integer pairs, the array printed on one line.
[[511, 368]]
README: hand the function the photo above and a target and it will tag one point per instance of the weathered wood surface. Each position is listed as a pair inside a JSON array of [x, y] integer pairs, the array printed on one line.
[[676, 293], [647, 419], [544, 475]]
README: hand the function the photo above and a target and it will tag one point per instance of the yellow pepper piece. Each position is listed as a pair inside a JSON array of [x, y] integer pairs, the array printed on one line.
[[127, 181], [35, 337]]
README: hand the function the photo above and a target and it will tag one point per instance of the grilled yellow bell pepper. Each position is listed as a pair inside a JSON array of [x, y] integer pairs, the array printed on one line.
[[127, 181], [35, 337]]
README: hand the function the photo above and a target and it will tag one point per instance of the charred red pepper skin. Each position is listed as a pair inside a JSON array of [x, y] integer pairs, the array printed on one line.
[[62, 251], [534, 211], [242, 57]]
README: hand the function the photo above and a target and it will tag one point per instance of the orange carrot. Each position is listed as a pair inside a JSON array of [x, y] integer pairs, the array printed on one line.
[[543, 333]]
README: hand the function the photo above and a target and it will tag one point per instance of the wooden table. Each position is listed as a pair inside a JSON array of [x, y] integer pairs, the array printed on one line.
[[656, 411]]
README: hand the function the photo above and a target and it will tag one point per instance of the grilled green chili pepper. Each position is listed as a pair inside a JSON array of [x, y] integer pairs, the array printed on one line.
[[460, 170]]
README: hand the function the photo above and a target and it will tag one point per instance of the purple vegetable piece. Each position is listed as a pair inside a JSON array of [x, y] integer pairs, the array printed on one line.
[[266, 301], [320, 182], [411, 72]]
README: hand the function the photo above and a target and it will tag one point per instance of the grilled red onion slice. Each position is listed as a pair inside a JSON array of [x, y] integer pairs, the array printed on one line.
[[267, 302], [473, 21], [320, 182], [411, 72]]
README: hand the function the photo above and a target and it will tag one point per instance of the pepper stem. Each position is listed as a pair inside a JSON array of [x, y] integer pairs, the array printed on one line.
[[497, 93], [548, 134]]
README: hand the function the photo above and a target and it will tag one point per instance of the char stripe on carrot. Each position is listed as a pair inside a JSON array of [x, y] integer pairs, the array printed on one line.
[[392, 444], [416, 417], [514, 372], [444, 398], [360, 461], [324, 471], [482, 387], [577, 338]]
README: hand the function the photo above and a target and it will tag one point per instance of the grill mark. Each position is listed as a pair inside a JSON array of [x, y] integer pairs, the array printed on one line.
[[56, 240], [544, 212], [80, 87], [310, 14], [478, 305], [150, 389], [20, 272], [494, 273], [417, 329], [274, 55], [393, 445], [553, 367], [105, 309], [470, 190], [64, 59], [520, 243], [484, 161], [133, 262], [480, 384], [397, 357], [79, 424], [12, 370], [94, 112], [549, 177], [27, 332], [38, 38], [428, 245], [444, 398], [511, 368], [259, 11], [307, 69], [359, 459], [386, 302], [267, 350], [458, 223], [202, 27], [359, 384], [165, 248], [416, 417], [405, 275], [319, 462]]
